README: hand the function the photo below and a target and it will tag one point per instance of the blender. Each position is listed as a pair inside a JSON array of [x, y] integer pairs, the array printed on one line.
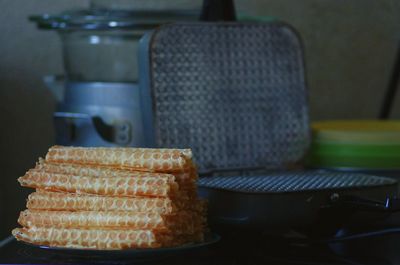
[[98, 96]]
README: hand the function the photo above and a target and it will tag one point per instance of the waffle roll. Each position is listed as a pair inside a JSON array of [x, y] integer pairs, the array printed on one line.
[[60, 201], [145, 159], [180, 221], [186, 180], [112, 198], [63, 201], [162, 186], [94, 238], [102, 171]]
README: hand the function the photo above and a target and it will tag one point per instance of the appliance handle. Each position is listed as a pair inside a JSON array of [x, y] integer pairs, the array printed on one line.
[[6, 240], [390, 205], [233, 220], [218, 10], [71, 115]]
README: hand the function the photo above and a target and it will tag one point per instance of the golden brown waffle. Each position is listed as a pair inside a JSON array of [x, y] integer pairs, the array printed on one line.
[[146, 159], [118, 186], [45, 200], [94, 238], [91, 219], [186, 180], [113, 198], [93, 171], [63, 201], [116, 220]]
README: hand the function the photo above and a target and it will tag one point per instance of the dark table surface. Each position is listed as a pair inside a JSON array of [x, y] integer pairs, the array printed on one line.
[[230, 250]]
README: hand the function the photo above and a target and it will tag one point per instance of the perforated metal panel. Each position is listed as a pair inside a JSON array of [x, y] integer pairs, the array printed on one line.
[[234, 93], [294, 182]]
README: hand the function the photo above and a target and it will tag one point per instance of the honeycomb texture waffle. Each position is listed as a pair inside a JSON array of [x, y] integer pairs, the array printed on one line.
[[58, 201], [98, 219], [93, 238], [162, 160], [112, 198], [117, 186]]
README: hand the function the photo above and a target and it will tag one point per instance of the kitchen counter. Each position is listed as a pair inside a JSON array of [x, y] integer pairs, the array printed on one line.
[[229, 251]]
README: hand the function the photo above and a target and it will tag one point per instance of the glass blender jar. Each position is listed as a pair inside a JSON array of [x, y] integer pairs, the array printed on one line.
[[97, 98]]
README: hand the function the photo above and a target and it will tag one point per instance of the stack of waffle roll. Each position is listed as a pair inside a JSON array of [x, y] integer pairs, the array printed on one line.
[[112, 198]]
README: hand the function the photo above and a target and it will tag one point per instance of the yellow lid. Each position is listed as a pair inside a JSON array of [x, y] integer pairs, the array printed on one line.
[[357, 131]]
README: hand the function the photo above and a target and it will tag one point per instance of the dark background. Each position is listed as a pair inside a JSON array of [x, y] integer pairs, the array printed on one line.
[[349, 45]]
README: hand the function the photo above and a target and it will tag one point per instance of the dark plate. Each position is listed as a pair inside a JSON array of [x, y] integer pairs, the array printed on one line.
[[155, 253]]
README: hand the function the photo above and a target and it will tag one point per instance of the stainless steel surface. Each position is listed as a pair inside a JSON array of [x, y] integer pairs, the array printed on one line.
[[99, 114], [390, 173], [289, 200], [294, 182], [233, 92]]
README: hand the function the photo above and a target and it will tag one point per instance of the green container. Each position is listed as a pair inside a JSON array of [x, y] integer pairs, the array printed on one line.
[[370, 145]]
